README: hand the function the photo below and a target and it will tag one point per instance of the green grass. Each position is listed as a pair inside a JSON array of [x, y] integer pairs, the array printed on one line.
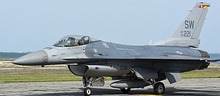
[[201, 74], [59, 77], [38, 77]]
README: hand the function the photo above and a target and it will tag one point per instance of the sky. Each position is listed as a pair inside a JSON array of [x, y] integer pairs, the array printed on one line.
[[30, 25]]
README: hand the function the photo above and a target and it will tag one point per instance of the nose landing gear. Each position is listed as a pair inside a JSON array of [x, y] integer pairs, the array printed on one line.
[[125, 90], [92, 81], [87, 91]]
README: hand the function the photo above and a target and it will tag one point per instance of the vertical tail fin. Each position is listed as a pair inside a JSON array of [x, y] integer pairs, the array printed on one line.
[[187, 34]]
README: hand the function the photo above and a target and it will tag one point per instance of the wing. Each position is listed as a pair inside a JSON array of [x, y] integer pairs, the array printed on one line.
[[213, 59], [152, 59]]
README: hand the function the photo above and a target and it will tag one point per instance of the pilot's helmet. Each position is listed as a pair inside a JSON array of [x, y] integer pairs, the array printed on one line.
[[81, 42]]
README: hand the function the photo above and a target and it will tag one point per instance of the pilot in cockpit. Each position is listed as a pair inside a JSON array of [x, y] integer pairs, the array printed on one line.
[[74, 40], [71, 42], [81, 42]]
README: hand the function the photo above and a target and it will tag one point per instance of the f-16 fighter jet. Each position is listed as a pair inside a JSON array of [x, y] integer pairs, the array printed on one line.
[[129, 66]]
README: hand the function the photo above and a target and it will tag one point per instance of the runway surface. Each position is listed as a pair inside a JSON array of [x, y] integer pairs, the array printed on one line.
[[199, 87]]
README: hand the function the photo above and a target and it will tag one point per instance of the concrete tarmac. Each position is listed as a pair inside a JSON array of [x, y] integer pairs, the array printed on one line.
[[199, 87]]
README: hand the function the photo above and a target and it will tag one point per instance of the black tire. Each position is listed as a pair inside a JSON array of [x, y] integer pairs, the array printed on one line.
[[87, 91], [159, 88], [125, 90]]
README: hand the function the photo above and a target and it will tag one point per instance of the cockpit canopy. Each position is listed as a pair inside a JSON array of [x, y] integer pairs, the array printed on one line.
[[74, 40]]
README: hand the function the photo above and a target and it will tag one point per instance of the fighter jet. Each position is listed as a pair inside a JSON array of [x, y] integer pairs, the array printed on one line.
[[129, 66]]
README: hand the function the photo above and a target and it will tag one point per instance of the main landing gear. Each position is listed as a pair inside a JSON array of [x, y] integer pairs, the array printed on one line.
[[159, 88]]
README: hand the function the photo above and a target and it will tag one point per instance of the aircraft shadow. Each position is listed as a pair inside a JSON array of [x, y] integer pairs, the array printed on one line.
[[106, 91]]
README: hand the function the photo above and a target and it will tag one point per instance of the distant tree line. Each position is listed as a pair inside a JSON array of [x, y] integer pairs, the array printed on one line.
[[11, 55]]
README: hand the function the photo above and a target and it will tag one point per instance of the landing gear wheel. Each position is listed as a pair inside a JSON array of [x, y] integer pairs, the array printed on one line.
[[87, 91], [125, 90], [159, 88]]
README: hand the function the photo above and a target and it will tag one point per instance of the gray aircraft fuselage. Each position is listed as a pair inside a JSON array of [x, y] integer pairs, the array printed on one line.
[[111, 54]]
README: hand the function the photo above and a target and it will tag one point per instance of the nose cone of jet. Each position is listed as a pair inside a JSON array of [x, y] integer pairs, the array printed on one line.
[[35, 58]]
